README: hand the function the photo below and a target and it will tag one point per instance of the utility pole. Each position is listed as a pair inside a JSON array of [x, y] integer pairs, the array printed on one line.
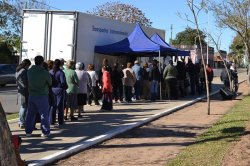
[[171, 34]]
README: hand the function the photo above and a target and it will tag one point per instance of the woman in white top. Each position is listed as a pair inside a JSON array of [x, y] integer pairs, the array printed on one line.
[[94, 89], [83, 84]]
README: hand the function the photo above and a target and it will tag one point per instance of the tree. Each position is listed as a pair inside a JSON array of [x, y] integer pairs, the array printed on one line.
[[237, 47], [11, 16], [123, 12], [188, 37], [235, 15], [5, 52], [10, 25], [7, 153], [195, 10]]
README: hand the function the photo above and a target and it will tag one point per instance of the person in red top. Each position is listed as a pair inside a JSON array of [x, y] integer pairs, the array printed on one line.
[[210, 76], [107, 104]]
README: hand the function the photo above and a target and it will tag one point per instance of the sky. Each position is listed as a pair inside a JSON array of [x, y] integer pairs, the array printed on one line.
[[162, 14]]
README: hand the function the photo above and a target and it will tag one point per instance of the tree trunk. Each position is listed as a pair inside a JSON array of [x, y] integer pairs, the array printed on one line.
[[248, 55], [7, 153]]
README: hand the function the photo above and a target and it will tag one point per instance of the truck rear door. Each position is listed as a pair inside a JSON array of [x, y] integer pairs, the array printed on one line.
[[33, 35], [62, 36]]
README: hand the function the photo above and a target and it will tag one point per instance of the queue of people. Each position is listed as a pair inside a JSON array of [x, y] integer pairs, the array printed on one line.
[[53, 93]]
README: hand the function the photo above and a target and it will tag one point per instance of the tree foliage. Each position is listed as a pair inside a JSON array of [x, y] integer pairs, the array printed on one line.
[[123, 12], [5, 52], [237, 45], [188, 37], [11, 12], [11, 16], [235, 15]]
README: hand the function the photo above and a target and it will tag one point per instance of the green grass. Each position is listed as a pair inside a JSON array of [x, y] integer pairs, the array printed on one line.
[[210, 147], [12, 116]]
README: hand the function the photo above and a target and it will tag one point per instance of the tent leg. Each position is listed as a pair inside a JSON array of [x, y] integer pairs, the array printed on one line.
[[160, 72]]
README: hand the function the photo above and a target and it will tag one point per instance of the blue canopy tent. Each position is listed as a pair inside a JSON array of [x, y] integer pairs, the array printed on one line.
[[136, 44], [157, 39]]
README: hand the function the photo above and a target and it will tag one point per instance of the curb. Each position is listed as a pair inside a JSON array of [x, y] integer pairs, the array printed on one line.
[[101, 138]]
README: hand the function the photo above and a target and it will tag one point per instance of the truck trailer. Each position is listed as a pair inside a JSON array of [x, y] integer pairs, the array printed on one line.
[[72, 35]]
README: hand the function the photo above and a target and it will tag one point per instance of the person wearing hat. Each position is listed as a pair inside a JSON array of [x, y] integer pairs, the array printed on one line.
[[138, 74], [84, 81]]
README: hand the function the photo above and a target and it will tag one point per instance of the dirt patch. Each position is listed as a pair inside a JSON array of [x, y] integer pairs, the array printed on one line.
[[154, 144], [239, 152]]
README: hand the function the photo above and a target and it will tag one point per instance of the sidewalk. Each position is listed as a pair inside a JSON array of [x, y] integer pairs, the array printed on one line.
[[97, 126]]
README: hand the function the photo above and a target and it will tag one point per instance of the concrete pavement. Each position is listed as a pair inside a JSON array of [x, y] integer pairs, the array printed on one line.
[[96, 126]]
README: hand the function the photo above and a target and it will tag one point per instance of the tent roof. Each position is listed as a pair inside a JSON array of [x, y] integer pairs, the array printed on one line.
[[137, 43], [157, 39]]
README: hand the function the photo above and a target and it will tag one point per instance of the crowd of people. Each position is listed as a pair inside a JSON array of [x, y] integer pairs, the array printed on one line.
[[52, 92]]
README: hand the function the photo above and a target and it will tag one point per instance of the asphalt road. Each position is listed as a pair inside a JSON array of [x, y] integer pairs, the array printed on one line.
[[8, 98]]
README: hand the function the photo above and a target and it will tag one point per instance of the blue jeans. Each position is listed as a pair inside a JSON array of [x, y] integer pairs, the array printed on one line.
[[38, 104], [154, 89], [23, 109]]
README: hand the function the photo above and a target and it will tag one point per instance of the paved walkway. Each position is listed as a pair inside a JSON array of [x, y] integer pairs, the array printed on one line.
[[96, 126]]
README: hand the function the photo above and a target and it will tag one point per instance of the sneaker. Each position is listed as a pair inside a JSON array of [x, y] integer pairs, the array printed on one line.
[[65, 118], [45, 135], [28, 135]]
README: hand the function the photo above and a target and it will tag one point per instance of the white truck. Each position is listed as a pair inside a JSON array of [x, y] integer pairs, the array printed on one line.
[[72, 35]]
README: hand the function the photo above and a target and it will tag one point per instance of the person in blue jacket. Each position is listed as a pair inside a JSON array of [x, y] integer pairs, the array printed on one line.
[[59, 86]]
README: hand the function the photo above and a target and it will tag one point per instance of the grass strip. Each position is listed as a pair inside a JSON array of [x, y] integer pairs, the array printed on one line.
[[12, 116], [211, 146]]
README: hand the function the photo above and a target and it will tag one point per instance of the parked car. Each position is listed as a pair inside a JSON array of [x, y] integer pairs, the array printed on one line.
[[7, 74]]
